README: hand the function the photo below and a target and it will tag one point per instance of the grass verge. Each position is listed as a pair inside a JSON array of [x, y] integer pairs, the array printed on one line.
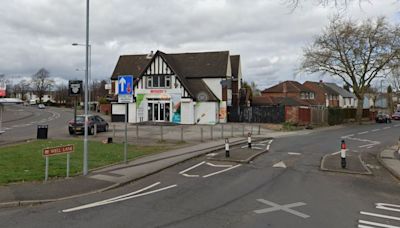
[[24, 162]]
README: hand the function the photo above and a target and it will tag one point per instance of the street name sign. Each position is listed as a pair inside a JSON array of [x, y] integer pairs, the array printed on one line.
[[74, 87], [51, 151]]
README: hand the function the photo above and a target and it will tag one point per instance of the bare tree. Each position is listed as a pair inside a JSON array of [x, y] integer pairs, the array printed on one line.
[[294, 4], [42, 83], [355, 52], [395, 79]]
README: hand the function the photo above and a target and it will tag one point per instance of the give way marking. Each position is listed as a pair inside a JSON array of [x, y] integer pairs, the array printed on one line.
[[277, 207], [381, 206], [120, 198]]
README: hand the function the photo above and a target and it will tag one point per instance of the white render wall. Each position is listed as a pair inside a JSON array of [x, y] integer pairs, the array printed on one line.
[[187, 111], [215, 86], [206, 112], [118, 109], [132, 113]]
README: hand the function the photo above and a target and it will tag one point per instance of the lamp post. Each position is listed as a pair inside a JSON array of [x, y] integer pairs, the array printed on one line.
[[90, 68]]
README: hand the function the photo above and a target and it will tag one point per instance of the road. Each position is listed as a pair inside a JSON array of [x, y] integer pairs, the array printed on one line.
[[282, 188], [20, 122]]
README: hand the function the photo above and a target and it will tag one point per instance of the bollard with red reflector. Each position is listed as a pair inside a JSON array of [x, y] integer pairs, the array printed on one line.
[[227, 148], [343, 154], [249, 140]]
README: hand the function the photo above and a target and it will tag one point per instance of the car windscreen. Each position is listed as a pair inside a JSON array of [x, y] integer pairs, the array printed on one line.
[[80, 119]]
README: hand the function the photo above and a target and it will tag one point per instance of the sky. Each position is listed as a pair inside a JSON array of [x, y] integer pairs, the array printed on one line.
[[267, 34]]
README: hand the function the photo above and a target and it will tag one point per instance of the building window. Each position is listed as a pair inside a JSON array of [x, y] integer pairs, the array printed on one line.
[[311, 95], [302, 95], [158, 81]]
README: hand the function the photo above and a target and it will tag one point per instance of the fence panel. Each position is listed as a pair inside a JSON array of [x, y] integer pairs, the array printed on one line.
[[258, 114]]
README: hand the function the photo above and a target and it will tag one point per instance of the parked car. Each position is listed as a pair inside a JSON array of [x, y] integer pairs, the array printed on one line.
[[396, 115], [383, 118], [78, 127], [41, 106]]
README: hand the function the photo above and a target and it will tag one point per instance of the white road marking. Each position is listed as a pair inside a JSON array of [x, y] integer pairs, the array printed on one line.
[[120, 198], [364, 132], [190, 168], [386, 128], [334, 153], [258, 144], [376, 130], [294, 153], [190, 175], [397, 125], [215, 165], [257, 148], [375, 224], [347, 136], [268, 146], [267, 141], [277, 207], [379, 215], [387, 206], [221, 171], [211, 154], [280, 164]]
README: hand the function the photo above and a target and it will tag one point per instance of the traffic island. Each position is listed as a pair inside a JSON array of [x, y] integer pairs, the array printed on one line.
[[354, 164], [242, 153]]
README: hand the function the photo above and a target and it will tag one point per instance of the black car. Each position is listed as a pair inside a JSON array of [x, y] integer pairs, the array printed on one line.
[[100, 123], [383, 118]]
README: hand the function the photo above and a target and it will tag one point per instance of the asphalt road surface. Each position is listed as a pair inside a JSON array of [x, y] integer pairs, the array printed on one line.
[[282, 188], [20, 122]]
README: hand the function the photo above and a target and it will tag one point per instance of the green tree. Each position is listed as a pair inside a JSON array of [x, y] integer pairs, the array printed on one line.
[[355, 52]]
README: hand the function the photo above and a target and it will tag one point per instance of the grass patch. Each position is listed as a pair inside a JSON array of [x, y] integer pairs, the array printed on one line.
[[24, 162]]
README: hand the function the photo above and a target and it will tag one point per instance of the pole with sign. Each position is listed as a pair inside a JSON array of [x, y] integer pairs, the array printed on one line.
[[125, 95], [52, 151], [75, 90]]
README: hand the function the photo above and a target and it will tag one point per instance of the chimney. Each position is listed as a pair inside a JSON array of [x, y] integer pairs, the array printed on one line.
[[284, 89], [150, 55]]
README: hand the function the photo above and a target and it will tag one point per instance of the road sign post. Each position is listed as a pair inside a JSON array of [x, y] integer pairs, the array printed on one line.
[[125, 95], [52, 151], [75, 90]]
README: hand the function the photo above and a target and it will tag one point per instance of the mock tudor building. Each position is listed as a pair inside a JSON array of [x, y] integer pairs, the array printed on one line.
[[183, 88]]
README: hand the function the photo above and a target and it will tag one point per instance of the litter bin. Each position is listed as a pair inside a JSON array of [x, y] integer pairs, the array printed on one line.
[[42, 131]]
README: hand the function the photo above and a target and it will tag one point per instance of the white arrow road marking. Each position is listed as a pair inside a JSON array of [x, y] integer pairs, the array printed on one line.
[[221, 171], [190, 168], [122, 82], [120, 198], [277, 207], [374, 224], [280, 164]]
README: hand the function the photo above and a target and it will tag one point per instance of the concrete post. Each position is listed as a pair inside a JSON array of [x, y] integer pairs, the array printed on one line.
[[181, 133], [249, 140], [137, 131], [232, 131], [161, 133], [259, 129], [212, 132], [243, 130], [222, 131], [227, 155], [95, 130], [201, 134], [398, 147], [113, 130]]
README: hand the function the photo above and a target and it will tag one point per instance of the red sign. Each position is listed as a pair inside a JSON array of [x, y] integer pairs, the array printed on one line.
[[2, 89], [58, 150], [157, 91]]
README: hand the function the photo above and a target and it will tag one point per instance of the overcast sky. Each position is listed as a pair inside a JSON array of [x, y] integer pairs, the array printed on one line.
[[267, 35]]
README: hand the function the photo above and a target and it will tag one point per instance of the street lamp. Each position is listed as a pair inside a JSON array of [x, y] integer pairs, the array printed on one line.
[[90, 68]]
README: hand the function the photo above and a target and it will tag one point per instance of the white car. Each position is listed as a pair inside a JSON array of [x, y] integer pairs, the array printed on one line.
[[41, 106]]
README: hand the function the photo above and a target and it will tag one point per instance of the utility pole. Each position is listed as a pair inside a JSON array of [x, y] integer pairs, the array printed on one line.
[[85, 139]]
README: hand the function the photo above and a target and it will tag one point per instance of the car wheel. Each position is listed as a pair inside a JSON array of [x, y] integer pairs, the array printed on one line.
[[90, 131], [71, 131]]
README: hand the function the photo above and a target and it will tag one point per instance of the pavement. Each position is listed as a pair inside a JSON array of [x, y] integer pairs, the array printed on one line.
[[103, 179], [389, 158]]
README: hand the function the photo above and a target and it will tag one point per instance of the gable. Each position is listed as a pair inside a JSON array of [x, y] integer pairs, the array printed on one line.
[[158, 67]]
